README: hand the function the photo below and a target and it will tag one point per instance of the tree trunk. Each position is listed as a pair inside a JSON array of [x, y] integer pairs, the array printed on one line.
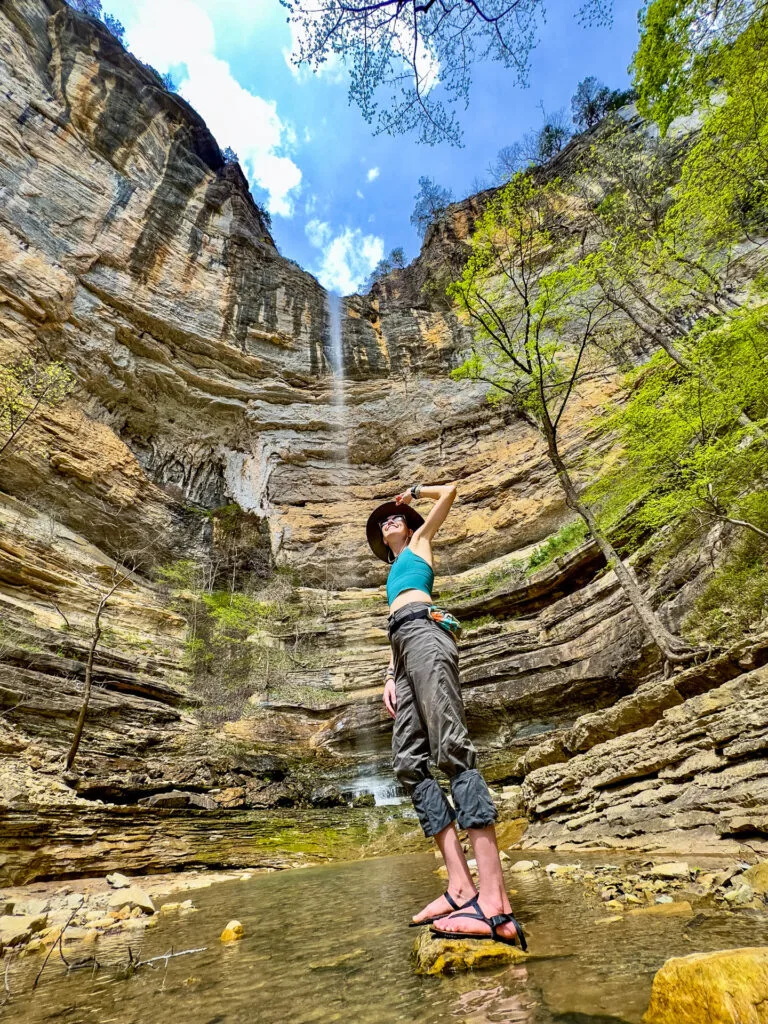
[[88, 681], [672, 648]]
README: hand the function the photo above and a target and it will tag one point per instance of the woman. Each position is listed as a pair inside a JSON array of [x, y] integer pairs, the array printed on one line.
[[423, 695]]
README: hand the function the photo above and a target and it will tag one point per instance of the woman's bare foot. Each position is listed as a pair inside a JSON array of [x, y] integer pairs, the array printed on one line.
[[473, 926], [442, 906]]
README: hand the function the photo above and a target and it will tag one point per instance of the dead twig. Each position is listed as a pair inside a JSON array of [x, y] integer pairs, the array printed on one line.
[[166, 957], [55, 944], [6, 986]]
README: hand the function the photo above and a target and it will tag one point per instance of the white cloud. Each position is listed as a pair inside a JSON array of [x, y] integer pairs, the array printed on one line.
[[373, 173], [181, 32], [359, 194], [347, 259], [318, 232]]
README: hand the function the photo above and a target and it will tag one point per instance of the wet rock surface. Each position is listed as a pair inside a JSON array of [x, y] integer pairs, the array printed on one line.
[[433, 955], [722, 988]]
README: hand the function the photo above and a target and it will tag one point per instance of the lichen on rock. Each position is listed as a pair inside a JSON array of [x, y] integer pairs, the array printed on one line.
[[434, 955]]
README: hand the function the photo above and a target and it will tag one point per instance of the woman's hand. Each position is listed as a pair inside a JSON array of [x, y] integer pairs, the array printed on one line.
[[403, 499], [390, 697]]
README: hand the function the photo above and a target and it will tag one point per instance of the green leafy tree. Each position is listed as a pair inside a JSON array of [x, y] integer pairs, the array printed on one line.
[[431, 203], [26, 389], [592, 101], [538, 339], [410, 62], [683, 461], [550, 140], [397, 258], [679, 56], [722, 196], [394, 261], [685, 452], [647, 248]]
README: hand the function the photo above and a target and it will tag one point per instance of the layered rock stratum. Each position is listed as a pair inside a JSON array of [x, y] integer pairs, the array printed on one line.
[[132, 252]]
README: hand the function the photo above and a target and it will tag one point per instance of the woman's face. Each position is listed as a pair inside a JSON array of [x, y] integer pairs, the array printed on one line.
[[395, 527]]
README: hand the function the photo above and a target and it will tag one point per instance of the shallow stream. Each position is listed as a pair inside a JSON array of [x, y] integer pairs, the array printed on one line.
[[294, 964]]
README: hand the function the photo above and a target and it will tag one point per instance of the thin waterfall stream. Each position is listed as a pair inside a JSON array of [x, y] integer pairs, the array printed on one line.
[[370, 777]]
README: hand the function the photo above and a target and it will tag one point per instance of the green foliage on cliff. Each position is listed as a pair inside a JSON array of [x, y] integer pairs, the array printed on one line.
[[566, 539], [684, 450], [724, 184], [735, 601], [26, 389], [683, 47], [241, 643]]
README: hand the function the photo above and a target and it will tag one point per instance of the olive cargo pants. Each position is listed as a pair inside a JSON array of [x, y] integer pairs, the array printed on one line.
[[430, 724]]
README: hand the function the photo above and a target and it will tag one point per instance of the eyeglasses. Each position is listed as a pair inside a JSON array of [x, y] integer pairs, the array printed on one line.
[[391, 520]]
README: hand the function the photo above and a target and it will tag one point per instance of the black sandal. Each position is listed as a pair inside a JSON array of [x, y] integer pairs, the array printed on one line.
[[454, 907], [493, 922]]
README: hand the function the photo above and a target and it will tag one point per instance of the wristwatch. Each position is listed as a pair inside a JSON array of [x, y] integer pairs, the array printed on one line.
[[415, 490]]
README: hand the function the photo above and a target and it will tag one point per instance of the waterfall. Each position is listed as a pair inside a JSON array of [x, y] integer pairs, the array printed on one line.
[[335, 347], [336, 358]]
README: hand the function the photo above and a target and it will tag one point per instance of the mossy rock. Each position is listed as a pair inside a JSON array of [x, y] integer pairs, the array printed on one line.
[[732, 984], [433, 955]]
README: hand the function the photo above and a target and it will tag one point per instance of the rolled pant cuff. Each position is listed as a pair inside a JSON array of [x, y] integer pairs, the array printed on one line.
[[432, 807], [474, 805]]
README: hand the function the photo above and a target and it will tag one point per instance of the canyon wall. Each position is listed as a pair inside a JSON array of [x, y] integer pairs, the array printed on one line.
[[132, 252]]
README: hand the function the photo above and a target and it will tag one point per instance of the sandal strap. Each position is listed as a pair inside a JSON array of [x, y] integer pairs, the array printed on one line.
[[450, 900], [477, 916], [499, 919]]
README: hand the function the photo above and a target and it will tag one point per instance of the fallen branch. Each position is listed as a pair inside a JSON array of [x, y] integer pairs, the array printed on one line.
[[166, 957]]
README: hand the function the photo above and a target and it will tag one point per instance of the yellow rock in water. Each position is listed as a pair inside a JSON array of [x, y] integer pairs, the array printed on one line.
[[232, 932], [446, 956], [732, 984]]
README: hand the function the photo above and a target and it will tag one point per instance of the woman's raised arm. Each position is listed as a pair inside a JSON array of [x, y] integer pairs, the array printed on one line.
[[444, 496]]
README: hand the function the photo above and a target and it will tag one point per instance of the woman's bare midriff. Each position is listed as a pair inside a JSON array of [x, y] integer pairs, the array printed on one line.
[[407, 597]]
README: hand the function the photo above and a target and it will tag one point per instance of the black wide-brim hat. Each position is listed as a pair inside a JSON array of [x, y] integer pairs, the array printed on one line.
[[373, 531]]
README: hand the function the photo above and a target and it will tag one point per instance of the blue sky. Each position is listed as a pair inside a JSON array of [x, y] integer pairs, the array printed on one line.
[[341, 197]]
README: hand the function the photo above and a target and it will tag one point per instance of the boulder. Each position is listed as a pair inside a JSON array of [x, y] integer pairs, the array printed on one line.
[[30, 908], [364, 800], [327, 796], [739, 895], [118, 881], [523, 865], [16, 930], [732, 984], [233, 932], [233, 796], [130, 898], [757, 877], [672, 869], [433, 955]]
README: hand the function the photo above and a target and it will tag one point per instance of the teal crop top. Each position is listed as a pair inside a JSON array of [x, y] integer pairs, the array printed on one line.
[[409, 572]]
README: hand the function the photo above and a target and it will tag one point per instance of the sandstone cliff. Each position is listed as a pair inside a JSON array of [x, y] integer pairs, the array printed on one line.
[[134, 254]]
